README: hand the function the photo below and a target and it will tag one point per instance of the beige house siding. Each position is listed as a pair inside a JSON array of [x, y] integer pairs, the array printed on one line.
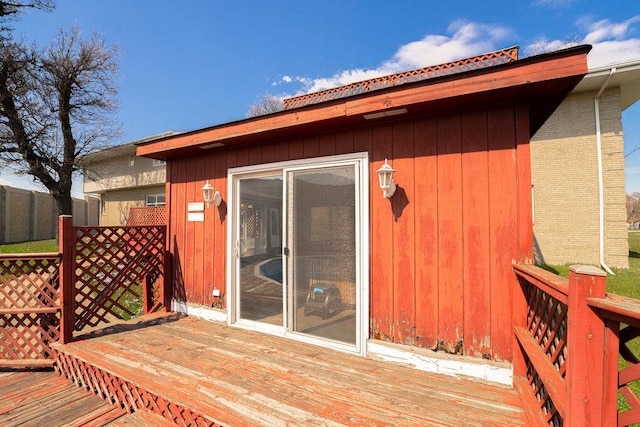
[[116, 203], [565, 183], [117, 173], [122, 181]]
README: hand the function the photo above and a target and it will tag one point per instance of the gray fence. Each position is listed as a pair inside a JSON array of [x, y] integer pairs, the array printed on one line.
[[30, 215]]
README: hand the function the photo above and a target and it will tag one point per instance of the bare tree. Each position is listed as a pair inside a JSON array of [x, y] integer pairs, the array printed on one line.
[[266, 104], [9, 11], [57, 105], [633, 207]]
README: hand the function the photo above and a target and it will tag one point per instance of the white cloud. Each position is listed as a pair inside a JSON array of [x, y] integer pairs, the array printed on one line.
[[611, 42], [464, 39]]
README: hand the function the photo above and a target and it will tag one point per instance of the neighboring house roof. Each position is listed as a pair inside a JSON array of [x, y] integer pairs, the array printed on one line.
[[121, 149], [626, 75], [542, 81]]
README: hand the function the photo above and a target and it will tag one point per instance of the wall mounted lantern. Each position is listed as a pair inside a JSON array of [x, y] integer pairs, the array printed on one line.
[[385, 174], [211, 195]]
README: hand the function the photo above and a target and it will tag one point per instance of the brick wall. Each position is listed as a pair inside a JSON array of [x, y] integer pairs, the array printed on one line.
[[565, 183]]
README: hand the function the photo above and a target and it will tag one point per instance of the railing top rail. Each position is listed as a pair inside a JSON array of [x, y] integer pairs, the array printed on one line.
[[618, 307], [551, 283], [34, 256]]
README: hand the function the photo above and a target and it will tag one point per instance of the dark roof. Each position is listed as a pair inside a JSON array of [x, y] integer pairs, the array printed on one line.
[[485, 60], [541, 82]]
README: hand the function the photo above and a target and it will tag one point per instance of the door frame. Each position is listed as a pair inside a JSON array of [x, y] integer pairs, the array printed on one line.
[[361, 165]]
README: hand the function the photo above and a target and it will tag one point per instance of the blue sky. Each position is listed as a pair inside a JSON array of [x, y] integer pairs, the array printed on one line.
[[196, 63]]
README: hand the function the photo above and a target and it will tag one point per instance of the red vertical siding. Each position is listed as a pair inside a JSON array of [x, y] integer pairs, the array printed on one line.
[[503, 217], [382, 253], [475, 219], [450, 233], [403, 203], [440, 249], [426, 233], [208, 236]]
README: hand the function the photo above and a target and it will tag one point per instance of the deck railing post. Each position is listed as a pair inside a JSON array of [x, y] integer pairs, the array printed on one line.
[[166, 286], [67, 286], [585, 348]]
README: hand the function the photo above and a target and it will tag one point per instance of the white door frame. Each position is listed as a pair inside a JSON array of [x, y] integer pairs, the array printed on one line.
[[361, 165]]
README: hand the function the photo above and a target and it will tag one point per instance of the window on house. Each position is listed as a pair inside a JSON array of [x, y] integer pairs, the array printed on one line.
[[157, 162], [155, 200], [132, 159]]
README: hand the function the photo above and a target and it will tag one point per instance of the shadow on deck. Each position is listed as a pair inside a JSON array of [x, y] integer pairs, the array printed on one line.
[[195, 372]]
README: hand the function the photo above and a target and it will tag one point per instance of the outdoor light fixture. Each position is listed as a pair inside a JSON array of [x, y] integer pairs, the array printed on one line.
[[385, 174], [211, 195]]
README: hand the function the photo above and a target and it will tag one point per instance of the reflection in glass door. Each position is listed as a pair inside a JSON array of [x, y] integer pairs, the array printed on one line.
[[298, 250], [260, 250], [321, 238]]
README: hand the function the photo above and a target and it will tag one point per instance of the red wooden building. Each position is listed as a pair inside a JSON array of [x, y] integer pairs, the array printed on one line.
[[303, 243]]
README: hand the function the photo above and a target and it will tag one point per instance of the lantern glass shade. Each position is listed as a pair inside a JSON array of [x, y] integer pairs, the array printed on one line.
[[207, 193], [385, 175]]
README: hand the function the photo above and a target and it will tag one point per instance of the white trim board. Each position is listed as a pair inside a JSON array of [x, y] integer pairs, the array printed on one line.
[[199, 311], [429, 361]]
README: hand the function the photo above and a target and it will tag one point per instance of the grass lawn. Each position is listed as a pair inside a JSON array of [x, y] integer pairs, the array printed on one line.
[[30, 247], [625, 282]]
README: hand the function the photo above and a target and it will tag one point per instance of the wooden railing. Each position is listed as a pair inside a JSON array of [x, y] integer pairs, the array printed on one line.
[[101, 274], [29, 309], [569, 343]]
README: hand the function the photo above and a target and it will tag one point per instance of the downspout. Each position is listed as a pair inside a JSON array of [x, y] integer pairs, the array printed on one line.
[[600, 178]]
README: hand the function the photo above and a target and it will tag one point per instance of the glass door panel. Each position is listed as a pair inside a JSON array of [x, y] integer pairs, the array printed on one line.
[[259, 249], [321, 236]]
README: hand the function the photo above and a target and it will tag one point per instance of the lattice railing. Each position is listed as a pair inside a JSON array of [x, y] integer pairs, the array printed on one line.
[[29, 308], [149, 215], [468, 64], [544, 342], [113, 266], [127, 394], [622, 319]]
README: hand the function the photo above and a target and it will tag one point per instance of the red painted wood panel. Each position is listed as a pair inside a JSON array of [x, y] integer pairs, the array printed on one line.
[[219, 219], [503, 213], [208, 233], [198, 230], [403, 205], [475, 240], [180, 175], [310, 147], [426, 233], [382, 250], [450, 233], [327, 145], [440, 249], [281, 151], [344, 142], [268, 153], [296, 150], [189, 243]]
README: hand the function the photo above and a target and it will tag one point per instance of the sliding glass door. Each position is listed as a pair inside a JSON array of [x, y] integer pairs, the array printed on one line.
[[298, 250]]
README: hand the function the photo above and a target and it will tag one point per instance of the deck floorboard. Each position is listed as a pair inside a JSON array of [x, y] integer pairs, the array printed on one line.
[[238, 377]]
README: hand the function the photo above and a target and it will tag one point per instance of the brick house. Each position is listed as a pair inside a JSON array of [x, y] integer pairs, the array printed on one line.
[[566, 178]]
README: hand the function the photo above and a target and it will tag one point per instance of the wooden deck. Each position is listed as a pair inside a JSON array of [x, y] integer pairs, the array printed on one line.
[[218, 375], [42, 398]]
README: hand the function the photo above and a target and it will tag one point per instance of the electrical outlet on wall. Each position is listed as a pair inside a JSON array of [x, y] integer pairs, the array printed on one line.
[[216, 292]]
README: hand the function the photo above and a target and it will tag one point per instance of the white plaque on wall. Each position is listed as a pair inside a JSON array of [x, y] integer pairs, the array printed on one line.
[[195, 216], [195, 207]]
